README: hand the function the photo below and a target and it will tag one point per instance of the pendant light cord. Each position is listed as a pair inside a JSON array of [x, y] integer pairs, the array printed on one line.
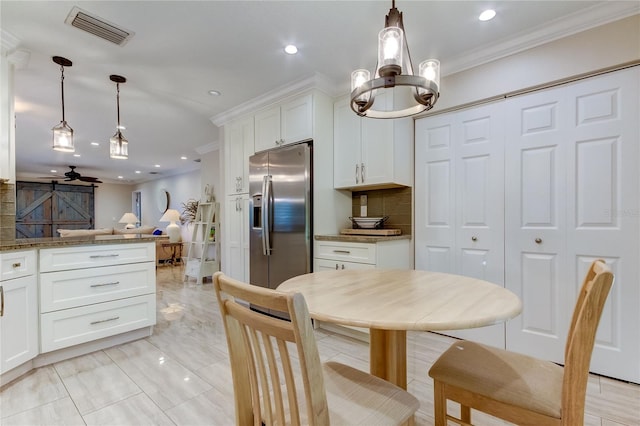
[[118, 104], [62, 90]]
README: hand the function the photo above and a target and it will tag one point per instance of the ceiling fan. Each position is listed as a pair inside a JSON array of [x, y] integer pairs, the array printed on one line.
[[72, 175]]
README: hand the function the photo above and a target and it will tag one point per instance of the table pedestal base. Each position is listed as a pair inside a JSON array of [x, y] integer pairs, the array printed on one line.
[[388, 355]]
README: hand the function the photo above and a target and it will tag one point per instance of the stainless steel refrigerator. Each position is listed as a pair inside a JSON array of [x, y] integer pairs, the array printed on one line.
[[280, 215]]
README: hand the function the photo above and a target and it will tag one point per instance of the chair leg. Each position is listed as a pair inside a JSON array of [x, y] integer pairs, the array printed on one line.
[[439, 404]]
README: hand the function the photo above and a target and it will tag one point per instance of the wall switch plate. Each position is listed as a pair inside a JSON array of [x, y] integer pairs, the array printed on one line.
[[363, 200]]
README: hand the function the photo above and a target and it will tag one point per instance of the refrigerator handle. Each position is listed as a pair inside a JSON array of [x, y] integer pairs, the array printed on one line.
[[266, 216]]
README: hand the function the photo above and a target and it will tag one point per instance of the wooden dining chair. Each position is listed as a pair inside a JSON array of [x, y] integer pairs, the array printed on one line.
[[278, 378], [519, 388]]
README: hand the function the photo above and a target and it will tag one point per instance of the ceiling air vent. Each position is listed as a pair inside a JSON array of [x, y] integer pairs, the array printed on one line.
[[97, 26]]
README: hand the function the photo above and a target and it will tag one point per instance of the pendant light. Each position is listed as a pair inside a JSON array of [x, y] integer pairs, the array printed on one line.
[[394, 68], [118, 145], [62, 133]]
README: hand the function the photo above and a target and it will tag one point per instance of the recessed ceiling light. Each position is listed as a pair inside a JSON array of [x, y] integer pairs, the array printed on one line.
[[183, 158], [53, 171], [291, 49], [156, 165], [76, 155], [487, 15], [138, 172], [120, 177], [214, 92], [95, 143]]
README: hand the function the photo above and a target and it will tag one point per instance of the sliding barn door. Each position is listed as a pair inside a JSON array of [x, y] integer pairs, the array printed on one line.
[[573, 196], [43, 208]]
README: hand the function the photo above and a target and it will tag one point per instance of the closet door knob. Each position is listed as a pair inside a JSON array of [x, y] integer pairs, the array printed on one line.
[[538, 240]]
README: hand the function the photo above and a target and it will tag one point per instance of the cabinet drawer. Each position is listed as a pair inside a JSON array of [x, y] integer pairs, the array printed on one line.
[[330, 265], [70, 289], [349, 252], [70, 327], [60, 259], [17, 264]]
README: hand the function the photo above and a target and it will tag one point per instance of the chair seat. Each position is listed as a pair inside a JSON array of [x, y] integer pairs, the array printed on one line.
[[504, 376], [356, 397]]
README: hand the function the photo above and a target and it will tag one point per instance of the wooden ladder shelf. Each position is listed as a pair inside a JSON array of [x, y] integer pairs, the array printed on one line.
[[201, 262]]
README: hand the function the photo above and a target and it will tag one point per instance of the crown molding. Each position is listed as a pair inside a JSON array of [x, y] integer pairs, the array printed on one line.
[[595, 16], [317, 81], [210, 147]]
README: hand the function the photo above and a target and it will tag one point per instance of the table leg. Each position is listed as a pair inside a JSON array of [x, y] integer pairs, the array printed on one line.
[[388, 355]]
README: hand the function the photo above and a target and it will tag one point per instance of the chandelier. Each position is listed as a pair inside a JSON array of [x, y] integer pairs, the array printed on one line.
[[62, 133], [394, 68], [118, 145]]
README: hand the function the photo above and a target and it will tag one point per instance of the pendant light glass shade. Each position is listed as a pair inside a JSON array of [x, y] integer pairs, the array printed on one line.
[[63, 137], [390, 46], [62, 133], [118, 144]]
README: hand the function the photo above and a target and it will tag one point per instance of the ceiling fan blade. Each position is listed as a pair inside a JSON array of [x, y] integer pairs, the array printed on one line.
[[89, 179]]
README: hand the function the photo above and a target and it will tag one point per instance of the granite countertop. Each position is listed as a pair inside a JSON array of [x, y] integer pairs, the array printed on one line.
[[361, 238], [53, 242]]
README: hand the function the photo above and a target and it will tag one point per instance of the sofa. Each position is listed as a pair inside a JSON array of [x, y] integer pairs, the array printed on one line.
[[163, 254]]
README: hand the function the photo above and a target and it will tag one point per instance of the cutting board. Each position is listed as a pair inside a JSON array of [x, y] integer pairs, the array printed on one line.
[[378, 232]]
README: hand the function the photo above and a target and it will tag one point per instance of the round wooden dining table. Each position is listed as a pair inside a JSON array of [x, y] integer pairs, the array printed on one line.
[[389, 302]]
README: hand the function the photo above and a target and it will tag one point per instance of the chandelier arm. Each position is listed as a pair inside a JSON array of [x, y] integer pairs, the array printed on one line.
[[426, 102]]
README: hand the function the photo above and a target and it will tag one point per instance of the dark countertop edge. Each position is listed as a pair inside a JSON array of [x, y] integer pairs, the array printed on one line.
[[54, 242], [361, 238]]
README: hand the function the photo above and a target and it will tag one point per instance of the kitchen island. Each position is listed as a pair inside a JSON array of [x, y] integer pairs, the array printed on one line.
[[64, 297]]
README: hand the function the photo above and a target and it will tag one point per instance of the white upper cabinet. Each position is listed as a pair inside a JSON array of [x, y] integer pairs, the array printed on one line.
[[371, 153], [283, 124], [238, 148]]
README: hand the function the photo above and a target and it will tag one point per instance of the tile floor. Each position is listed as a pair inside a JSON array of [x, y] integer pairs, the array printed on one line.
[[180, 374]]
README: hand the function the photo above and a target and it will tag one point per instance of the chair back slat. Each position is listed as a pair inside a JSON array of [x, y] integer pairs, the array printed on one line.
[[581, 339], [265, 384], [290, 382]]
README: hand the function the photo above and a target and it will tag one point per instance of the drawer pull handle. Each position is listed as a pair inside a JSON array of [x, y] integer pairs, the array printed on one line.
[[1, 301], [342, 251], [105, 320], [538, 240], [97, 256], [474, 238], [16, 265], [102, 285]]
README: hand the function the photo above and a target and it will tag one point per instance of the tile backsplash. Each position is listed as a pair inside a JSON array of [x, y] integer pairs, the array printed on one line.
[[395, 203], [7, 212]]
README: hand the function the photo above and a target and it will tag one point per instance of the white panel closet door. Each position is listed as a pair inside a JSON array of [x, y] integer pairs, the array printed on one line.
[[535, 260], [435, 194], [604, 209], [459, 189], [573, 195]]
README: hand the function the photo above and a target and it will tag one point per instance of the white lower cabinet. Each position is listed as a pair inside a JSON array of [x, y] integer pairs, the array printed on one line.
[[18, 309], [332, 254], [337, 255], [88, 293]]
